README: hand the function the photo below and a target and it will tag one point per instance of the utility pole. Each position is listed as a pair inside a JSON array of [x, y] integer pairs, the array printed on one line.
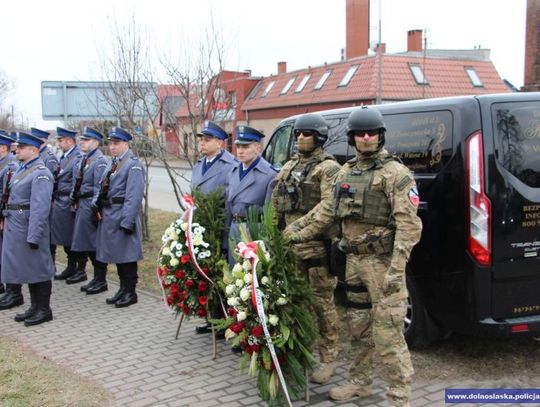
[[424, 64], [378, 99]]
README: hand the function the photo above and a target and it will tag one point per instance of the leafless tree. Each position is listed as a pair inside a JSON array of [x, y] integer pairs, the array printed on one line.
[[6, 115]]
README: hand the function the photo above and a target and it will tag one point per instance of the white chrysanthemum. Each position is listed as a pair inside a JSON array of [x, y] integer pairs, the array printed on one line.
[[165, 238], [237, 268], [273, 319], [282, 301], [233, 301], [183, 226], [166, 251], [239, 283], [265, 280], [174, 262], [205, 245], [173, 244], [179, 246], [199, 230], [178, 222], [247, 278], [241, 316], [230, 289], [245, 294], [247, 265]]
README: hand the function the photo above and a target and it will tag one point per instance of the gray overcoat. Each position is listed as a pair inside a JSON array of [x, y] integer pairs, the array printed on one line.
[[9, 162], [215, 176], [49, 159], [21, 264], [63, 217], [84, 229], [255, 189], [113, 244]]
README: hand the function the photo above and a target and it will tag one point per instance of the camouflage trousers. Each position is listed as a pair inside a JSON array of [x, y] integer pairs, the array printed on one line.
[[379, 329], [313, 262]]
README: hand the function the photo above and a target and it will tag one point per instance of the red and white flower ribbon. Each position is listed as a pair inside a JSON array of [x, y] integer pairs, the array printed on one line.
[[249, 251]]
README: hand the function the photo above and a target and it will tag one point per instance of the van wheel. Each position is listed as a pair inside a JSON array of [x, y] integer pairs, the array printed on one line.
[[420, 330]]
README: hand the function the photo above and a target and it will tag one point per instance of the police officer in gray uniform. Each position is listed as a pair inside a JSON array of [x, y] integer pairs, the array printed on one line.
[[8, 166], [87, 176], [45, 152], [118, 204], [250, 183], [211, 170], [63, 217], [26, 255]]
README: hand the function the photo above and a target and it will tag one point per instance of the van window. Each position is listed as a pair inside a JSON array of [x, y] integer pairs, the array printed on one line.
[[277, 150], [517, 139], [422, 140]]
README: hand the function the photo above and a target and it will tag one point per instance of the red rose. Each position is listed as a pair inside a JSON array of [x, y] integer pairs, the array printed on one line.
[[255, 348], [186, 309], [205, 270], [174, 289], [179, 274], [163, 271], [232, 312], [237, 328], [257, 331], [184, 259], [201, 312], [202, 287], [170, 300], [203, 300], [189, 283], [183, 295]]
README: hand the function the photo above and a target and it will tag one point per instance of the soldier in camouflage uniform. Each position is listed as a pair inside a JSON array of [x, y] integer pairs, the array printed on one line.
[[376, 200], [300, 185]]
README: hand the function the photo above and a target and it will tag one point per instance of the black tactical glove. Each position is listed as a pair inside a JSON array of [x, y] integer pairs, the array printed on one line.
[[33, 246], [126, 230]]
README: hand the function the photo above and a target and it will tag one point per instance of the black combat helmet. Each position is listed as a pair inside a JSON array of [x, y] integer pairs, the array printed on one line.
[[312, 122], [365, 119]]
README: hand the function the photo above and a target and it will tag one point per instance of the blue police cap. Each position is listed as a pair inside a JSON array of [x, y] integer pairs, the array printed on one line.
[[89, 133], [247, 135], [39, 133], [211, 129], [29, 139], [61, 132], [117, 133], [13, 136], [5, 139]]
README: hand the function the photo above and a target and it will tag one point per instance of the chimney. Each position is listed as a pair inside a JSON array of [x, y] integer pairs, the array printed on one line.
[[382, 45], [357, 28], [414, 41], [281, 67], [531, 81]]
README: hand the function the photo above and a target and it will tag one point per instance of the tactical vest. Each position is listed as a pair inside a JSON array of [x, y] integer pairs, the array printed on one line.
[[355, 197], [295, 193]]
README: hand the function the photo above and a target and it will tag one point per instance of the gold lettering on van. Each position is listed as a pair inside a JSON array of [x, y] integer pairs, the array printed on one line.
[[536, 148], [526, 308], [437, 147], [531, 218], [533, 130]]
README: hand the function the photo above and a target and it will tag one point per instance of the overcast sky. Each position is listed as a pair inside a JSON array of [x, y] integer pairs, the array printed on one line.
[[60, 39]]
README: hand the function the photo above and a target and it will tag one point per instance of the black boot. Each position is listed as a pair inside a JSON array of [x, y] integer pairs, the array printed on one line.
[[2, 289], [13, 297], [129, 297], [44, 312], [69, 271], [79, 276], [114, 299], [33, 305], [100, 282]]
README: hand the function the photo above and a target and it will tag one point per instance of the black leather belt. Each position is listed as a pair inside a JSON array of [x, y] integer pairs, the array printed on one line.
[[62, 193], [116, 200], [86, 195], [15, 207]]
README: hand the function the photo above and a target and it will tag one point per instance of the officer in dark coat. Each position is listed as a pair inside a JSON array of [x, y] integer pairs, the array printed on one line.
[[63, 217], [87, 177], [26, 255], [211, 172], [118, 204], [8, 166], [250, 183]]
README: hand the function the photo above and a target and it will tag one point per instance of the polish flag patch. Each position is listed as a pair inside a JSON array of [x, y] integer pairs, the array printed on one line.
[[414, 197]]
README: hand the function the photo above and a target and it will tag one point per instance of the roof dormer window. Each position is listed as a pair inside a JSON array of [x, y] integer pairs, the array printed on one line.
[[302, 83], [348, 76], [473, 76], [288, 86], [323, 79], [418, 74], [268, 89]]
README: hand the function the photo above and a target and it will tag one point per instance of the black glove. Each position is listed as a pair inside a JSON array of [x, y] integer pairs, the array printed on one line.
[[33, 246], [126, 230]]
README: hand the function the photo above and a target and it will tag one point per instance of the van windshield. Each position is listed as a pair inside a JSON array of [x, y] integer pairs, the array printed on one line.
[[517, 139]]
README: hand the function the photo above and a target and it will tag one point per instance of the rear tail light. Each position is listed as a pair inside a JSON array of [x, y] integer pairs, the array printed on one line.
[[479, 241], [520, 328]]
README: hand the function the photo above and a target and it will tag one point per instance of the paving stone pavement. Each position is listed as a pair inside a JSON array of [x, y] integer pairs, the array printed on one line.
[[133, 353]]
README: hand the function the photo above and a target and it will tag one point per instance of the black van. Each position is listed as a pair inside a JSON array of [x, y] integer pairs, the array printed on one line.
[[476, 160]]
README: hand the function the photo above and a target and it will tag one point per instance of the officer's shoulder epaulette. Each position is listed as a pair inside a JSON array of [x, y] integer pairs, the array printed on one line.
[[41, 167], [43, 177]]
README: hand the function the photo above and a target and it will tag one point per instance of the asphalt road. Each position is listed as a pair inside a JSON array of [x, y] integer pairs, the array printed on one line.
[[161, 194]]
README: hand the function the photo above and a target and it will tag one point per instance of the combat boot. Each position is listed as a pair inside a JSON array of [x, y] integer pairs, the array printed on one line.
[[33, 305], [349, 391], [13, 297], [70, 270], [129, 297], [99, 282], [324, 373], [44, 312], [114, 299], [79, 276]]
